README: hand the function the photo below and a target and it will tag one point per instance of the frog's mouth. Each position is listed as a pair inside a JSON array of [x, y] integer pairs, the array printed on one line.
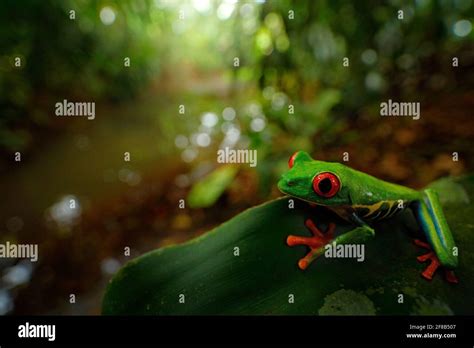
[[284, 185]]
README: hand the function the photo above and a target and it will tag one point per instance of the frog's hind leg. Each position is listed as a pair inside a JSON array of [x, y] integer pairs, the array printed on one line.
[[429, 214]]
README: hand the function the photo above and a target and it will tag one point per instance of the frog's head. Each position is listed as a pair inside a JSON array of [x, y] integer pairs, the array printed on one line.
[[316, 181]]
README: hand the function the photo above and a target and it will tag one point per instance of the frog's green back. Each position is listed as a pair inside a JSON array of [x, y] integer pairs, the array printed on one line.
[[367, 189]]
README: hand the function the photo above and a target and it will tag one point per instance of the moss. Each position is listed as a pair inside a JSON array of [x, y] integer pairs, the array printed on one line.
[[347, 302]]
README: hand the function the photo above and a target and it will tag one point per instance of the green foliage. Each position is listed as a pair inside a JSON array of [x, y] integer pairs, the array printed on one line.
[[380, 46], [290, 53], [261, 279], [80, 58], [207, 191]]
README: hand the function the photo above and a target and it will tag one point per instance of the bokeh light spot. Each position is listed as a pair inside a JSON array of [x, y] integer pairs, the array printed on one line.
[[462, 28], [107, 15]]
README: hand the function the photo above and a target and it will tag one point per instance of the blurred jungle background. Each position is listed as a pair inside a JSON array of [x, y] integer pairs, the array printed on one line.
[[203, 75]]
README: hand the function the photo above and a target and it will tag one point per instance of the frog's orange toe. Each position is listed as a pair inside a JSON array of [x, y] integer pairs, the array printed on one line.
[[432, 267], [315, 242], [430, 270], [298, 240], [303, 264], [421, 244], [451, 277]]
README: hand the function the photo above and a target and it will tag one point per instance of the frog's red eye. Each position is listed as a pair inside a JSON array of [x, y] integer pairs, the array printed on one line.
[[291, 161], [326, 185]]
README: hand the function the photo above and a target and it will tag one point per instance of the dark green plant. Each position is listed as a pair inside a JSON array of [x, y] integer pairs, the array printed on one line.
[[245, 267]]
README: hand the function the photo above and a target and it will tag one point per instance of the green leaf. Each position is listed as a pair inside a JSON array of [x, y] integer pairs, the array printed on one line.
[[263, 278], [326, 100], [207, 191]]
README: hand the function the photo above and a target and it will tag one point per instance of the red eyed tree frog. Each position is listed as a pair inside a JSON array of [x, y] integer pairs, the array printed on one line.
[[360, 199]]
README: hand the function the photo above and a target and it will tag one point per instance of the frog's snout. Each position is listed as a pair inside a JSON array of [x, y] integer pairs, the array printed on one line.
[[285, 183]]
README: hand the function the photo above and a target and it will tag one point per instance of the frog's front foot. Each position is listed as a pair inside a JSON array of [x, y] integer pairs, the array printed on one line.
[[434, 264], [315, 243]]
